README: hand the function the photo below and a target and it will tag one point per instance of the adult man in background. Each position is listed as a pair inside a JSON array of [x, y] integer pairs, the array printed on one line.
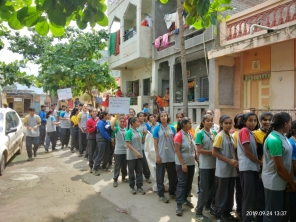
[[32, 122]]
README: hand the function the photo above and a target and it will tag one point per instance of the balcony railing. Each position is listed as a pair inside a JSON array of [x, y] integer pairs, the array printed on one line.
[[292, 112], [278, 15], [128, 34]]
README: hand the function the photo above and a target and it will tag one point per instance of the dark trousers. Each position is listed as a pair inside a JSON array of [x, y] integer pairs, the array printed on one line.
[[260, 200], [51, 137], [238, 195], [112, 148], [65, 136], [102, 154], [184, 183], [224, 196], [292, 203], [74, 137], [146, 170], [275, 201], [206, 189], [58, 132], [172, 174], [249, 180], [82, 141], [120, 164], [42, 133], [92, 146], [135, 171], [29, 142]]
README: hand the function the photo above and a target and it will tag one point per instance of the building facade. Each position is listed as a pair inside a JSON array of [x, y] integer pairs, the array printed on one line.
[[254, 67]]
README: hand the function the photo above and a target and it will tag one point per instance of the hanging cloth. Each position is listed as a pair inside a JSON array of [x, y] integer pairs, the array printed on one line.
[[149, 21], [117, 43], [169, 19], [165, 40], [112, 43], [157, 42]]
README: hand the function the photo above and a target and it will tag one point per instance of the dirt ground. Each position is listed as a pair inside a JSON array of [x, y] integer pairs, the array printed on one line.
[[57, 186]]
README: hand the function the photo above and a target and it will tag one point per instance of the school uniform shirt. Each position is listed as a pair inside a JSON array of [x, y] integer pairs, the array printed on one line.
[[120, 145], [153, 127], [235, 138], [206, 139], [104, 129], [145, 110], [135, 138], [144, 126], [165, 136], [82, 118], [42, 115], [50, 127], [225, 147], [74, 120], [292, 141], [245, 164], [65, 123], [276, 144], [32, 121], [187, 148], [259, 137]]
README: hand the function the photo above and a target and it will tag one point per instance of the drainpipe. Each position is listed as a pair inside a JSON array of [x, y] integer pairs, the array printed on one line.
[[260, 26]]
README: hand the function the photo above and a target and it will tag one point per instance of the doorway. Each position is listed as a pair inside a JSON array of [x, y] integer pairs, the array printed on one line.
[[165, 84]]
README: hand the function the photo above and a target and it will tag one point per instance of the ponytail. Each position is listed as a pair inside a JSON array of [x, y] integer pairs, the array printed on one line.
[[182, 122], [221, 121], [204, 117]]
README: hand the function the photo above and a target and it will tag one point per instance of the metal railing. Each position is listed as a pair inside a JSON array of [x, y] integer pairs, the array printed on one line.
[[129, 33]]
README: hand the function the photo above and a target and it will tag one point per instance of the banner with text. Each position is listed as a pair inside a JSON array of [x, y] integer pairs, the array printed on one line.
[[65, 94], [119, 105]]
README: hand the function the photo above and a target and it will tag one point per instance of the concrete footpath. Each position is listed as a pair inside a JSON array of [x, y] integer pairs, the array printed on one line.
[[57, 186]]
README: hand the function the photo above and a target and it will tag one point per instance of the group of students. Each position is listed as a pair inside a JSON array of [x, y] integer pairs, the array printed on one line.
[[256, 162]]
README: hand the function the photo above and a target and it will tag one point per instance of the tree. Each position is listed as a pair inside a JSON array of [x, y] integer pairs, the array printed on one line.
[[10, 74], [69, 63], [201, 14], [52, 15]]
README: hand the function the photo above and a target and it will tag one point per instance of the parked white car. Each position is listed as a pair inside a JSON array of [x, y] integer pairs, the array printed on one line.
[[11, 136]]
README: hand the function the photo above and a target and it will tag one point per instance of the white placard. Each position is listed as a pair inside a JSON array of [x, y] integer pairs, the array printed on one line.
[[65, 94], [119, 105], [17, 99]]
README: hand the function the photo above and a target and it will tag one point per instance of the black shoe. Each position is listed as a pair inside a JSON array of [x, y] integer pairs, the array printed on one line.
[[202, 218], [133, 191], [179, 211], [35, 154], [188, 204], [90, 169], [141, 191], [96, 173], [148, 180], [72, 151], [124, 180], [46, 151], [115, 184], [172, 196], [79, 155], [62, 147], [106, 169]]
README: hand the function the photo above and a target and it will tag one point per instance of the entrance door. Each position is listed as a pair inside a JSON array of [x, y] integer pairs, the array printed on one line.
[[27, 104]]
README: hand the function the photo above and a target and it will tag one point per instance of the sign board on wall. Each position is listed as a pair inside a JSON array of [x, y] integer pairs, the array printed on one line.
[[17, 99], [119, 105], [64, 94]]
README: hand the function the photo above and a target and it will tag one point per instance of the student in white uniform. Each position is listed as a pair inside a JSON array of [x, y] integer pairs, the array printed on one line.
[[163, 135], [226, 171], [277, 169], [248, 163]]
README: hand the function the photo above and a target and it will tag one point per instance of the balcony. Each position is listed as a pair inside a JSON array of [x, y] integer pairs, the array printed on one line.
[[134, 49], [273, 14], [193, 38]]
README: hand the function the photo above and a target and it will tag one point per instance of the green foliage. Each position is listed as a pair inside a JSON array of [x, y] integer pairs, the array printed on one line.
[[53, 15], [204, 13], [10, 74], [69, 63]]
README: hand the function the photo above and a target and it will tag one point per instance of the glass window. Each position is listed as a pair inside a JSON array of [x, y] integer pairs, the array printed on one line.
[[16, 119], [146, 89], [204, 87], [1, 122]]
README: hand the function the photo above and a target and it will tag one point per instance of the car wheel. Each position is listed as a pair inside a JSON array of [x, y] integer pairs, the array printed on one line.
[[20, 148], [2, 164]]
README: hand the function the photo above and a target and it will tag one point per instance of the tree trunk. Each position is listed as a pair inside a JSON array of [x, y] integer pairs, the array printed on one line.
[[183, 58]]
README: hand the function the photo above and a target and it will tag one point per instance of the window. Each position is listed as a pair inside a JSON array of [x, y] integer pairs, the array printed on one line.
[[16, 119], [146, 88], [204, 87]]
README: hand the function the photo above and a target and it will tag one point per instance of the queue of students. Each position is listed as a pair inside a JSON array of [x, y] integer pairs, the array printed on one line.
[[258, 160]]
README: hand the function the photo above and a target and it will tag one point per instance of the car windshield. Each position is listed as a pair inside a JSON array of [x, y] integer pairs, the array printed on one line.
[[1, 122]]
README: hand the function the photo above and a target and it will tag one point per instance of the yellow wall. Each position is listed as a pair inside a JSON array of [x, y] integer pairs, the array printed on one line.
[[282, 81], [295, 53], [262, 54]]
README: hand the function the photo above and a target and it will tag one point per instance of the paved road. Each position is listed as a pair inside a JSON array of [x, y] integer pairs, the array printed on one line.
[[58, 187]]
